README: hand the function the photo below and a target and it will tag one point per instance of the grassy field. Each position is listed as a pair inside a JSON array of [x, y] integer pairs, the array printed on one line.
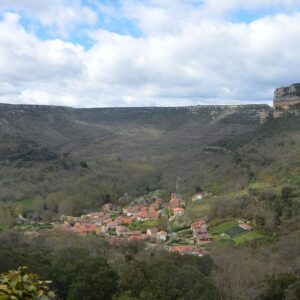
[[246, 236], [25, 202], [197, 210], [185, 234], [26, 227], [143, 226], [220, 228]]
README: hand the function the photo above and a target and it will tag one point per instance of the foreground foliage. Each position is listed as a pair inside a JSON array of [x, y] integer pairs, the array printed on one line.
[[23, 285]]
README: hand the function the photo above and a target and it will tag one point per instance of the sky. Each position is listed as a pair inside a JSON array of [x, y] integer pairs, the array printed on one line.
[[113, 53]]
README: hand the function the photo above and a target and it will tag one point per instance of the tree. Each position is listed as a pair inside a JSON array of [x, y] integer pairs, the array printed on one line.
[[293, 291], [79, 275], [107, 198], [286, 192], [277, 286], [169, 277], [260, 221], [198, 189], [83, 164]]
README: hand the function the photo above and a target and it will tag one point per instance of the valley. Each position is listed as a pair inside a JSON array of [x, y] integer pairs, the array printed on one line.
[[218, 184]]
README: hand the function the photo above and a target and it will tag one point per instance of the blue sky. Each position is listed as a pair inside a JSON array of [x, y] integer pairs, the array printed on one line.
[[121, 24], [147, 53]]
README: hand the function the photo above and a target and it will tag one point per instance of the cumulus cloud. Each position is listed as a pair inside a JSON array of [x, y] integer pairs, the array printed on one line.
[[184, 56], [61, 16]]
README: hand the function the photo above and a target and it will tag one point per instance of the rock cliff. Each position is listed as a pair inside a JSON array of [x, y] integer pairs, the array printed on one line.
[[285, 97]]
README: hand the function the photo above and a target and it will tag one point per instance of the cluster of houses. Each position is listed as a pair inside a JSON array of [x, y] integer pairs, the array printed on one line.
[[175, 206], [115, 224], [120, 226], [200, 232]]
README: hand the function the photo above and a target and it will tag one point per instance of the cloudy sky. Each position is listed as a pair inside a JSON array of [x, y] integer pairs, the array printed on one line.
[[96, 53]]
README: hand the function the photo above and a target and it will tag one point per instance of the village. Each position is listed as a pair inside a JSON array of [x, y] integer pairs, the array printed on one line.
[[148, 221], [137, 223]]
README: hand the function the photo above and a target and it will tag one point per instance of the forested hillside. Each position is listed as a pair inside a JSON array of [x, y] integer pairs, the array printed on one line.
[[47, 149]]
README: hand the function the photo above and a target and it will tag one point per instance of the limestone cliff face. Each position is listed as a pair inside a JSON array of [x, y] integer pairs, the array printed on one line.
[[285, 97]]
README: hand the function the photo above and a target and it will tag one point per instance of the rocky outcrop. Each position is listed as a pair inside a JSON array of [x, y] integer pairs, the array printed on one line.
[[285, 97]]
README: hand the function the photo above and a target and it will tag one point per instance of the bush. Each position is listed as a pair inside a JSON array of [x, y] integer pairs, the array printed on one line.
[[22, 285]]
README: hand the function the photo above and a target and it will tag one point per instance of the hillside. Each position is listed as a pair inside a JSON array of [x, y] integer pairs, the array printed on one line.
[[43, 148]]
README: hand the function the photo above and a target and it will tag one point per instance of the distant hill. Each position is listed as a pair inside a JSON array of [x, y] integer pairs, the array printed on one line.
[[47, 149]]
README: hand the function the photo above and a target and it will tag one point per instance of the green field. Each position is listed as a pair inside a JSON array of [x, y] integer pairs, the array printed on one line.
[[26, 227], [197, 210], [247, 236], [220, 228], [25, 202], [143, 226]]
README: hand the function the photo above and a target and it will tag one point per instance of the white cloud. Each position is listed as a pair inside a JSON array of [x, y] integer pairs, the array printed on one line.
[[61, 16], [182, 59]]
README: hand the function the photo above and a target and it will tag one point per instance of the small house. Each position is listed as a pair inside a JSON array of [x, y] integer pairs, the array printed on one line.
[[162, 236], [120, 230], [197, 197], [107, 207], [145, 216], [152, 231], [178, 211], [175, 201], [200, 225], [186, 249], [245, 226]]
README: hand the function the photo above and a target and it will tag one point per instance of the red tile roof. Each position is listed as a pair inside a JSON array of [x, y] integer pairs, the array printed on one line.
[[153, 207], [198, 224], [120, 229], [134, 238], [186, 249], [174, 203], [131, 233], [148, 215], [84, 228], [144, 208], [178, 209], [127, 220], [112, 224], [245, 226], [105, 221]]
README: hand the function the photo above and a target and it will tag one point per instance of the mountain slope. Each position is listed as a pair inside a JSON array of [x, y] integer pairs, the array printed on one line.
[[43, 147]]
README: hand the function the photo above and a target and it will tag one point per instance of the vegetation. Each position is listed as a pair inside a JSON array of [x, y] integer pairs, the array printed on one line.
[[95, 271], [23, 285], [57, 161]]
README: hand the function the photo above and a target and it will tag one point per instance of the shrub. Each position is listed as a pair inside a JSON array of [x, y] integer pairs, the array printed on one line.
[[23, 285]]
